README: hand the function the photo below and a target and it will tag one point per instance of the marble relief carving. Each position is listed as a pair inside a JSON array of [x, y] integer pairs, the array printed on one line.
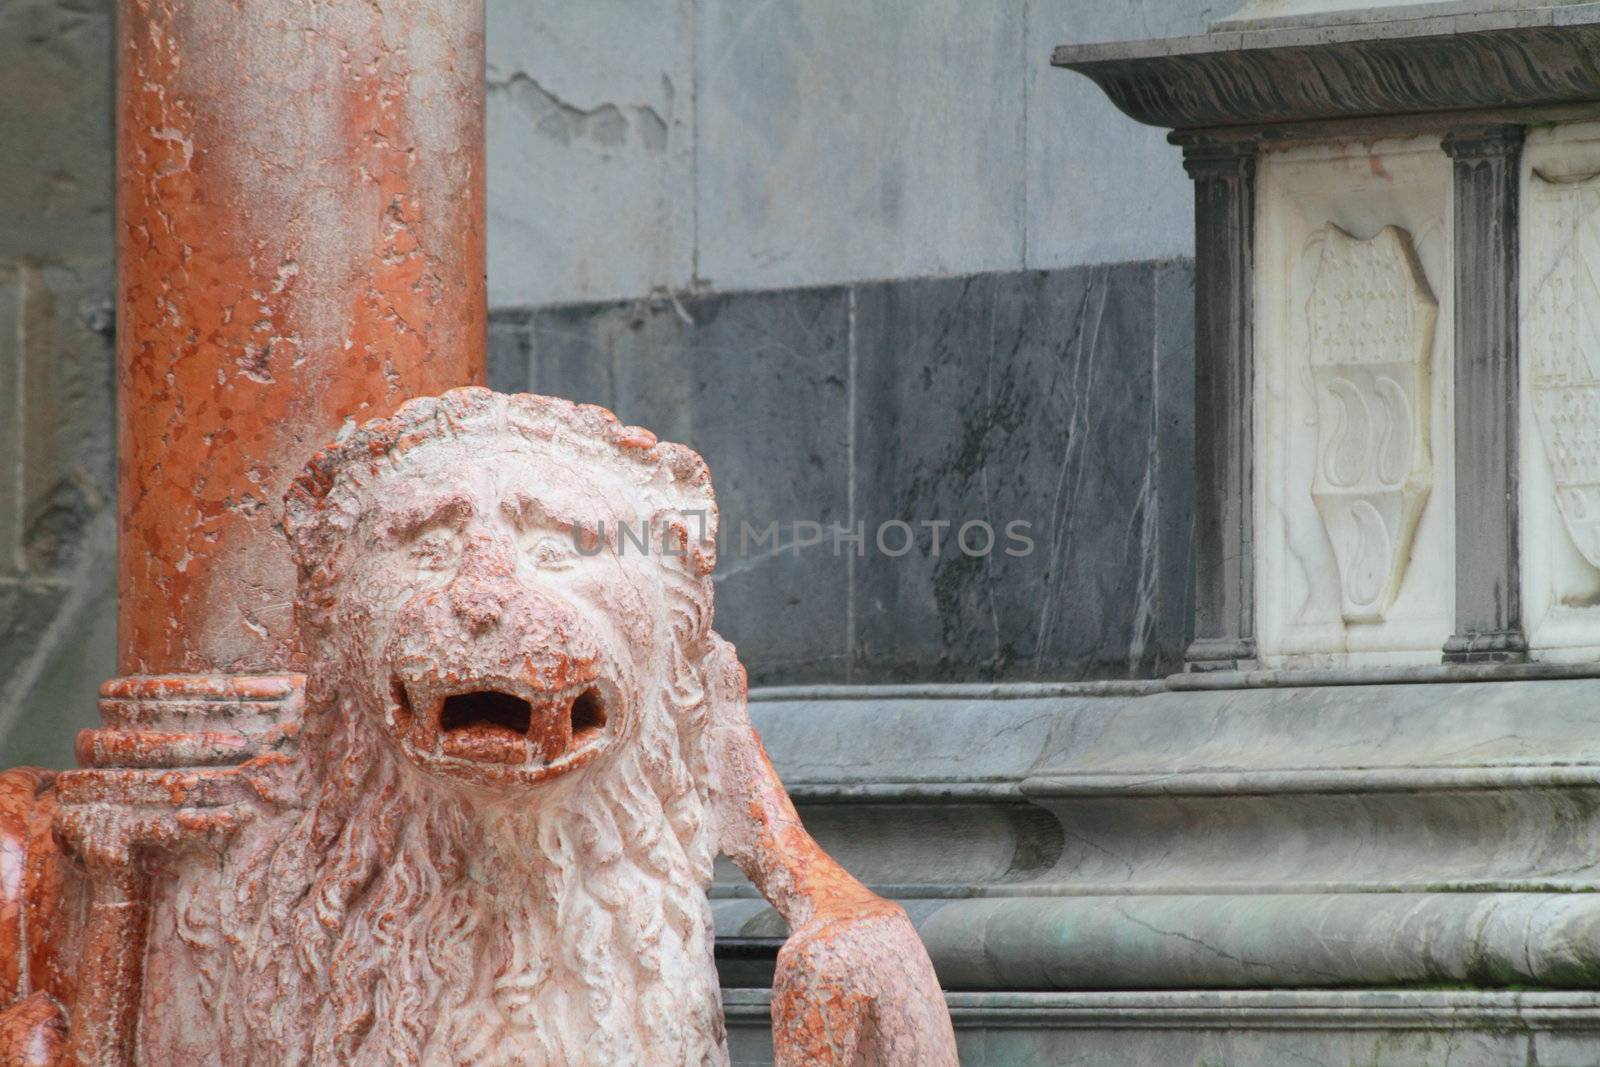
[[1564, 367], [1372, 316]]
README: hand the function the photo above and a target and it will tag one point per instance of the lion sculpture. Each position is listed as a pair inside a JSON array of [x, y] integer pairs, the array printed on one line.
[[523, 746]]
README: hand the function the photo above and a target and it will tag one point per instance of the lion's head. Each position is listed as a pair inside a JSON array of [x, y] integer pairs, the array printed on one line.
[[502, 841], [502, 581]]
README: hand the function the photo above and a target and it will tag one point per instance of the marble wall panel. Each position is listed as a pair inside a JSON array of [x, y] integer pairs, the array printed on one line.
[[1560, 376], [1354, 388]]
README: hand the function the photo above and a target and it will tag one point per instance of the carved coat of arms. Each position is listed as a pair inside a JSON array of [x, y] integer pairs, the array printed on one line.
[[1564, 360], [1372, 317]]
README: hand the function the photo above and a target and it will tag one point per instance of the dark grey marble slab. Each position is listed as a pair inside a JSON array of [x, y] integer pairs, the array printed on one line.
[[1060, 399], [1018, 398], [758, 384]]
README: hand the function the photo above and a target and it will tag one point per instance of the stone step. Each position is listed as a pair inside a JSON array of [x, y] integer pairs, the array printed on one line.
[[1424, 832]]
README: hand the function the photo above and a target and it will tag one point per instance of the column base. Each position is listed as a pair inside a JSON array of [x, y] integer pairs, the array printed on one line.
[[1499, 646], [1208, 654]]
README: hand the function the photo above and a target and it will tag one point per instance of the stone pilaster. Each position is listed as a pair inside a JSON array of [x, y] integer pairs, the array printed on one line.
[[1225, 208], [1488, 582]]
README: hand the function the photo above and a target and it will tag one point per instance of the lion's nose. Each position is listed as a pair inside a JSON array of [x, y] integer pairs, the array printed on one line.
[[481, 587], [476, 605]]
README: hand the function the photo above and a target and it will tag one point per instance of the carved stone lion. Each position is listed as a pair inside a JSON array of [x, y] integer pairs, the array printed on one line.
[[523, 746]]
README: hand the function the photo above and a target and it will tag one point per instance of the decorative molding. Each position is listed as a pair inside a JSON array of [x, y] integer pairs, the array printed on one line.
[[1431, 65], [1266, 77], [1372, 316]]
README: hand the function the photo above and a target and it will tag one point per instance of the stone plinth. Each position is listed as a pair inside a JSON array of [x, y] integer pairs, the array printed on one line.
[[1232, 847]]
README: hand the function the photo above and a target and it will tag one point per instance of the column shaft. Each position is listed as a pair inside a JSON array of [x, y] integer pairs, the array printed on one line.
[[300, 242], [1225, 210], [1488, 581]]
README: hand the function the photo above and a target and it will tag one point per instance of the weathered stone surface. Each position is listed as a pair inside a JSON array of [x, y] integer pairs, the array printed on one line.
[[760, 384], [1373, 408], [1099, 189], [591, 165], [1090, 838], [271, 287], [56, 423], [1025, 398], [1225, 197], [1485, 247], [1060, 404], [826, 131], [56, 491], [55, 179], [1557, 521], [1303, 563]]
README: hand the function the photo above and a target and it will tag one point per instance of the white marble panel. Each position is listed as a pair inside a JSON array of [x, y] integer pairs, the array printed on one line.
[[1354, 485], [1560, 423]]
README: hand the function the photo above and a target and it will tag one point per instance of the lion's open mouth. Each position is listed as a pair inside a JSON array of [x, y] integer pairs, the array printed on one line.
[[500, 726]]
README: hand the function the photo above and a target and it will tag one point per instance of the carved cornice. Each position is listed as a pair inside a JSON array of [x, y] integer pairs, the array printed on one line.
[[1262, 78]]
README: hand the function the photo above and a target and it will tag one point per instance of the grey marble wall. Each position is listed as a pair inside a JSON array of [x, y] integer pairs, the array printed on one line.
[[57, 418], [1055, 399], [713, 145]]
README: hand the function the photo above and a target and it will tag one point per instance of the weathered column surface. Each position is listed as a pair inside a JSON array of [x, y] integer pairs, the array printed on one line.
[[301, 242]]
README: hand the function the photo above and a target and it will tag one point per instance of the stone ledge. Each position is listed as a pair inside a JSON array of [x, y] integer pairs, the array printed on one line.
[[1242, 941], [1282, 14], [1362, 835], [1248, 1009], [1369, 1028]]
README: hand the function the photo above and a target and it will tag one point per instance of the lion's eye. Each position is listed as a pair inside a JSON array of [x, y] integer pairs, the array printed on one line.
[[435, 550], [551, 553]]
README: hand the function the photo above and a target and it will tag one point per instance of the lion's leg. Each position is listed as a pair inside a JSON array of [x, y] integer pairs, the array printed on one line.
[[814, 1020], [33, 1032], [33, 1029]]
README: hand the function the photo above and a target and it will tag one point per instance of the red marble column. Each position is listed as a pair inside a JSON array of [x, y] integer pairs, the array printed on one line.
[[300, 241]]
